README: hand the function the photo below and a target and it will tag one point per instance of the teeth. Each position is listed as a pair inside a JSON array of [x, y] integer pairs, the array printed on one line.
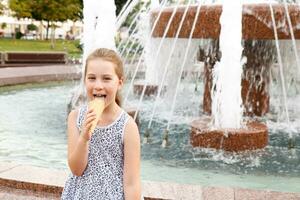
[[99, 95]]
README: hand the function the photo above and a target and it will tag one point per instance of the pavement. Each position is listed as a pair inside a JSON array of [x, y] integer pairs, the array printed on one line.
[[18, 181], [27, 74]]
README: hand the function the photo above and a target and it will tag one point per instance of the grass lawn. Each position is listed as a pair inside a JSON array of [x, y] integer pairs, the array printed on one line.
[[41, 45]]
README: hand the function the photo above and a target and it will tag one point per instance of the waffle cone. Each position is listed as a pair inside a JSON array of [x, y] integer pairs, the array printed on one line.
[[98, 106]]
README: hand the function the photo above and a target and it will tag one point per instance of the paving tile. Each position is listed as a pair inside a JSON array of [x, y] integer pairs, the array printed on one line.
[[247, 194], [158, 190], [7, 193], [217, 193], [174, 191], [282, 196], [36, 175], [4, 166], [188, 192]]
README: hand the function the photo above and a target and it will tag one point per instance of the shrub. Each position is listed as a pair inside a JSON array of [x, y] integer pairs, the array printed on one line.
[[32, 27], [3, 25], [19, 35], [78, 45]]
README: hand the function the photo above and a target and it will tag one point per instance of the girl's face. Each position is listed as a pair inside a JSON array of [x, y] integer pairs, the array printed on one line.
[[101, 80]]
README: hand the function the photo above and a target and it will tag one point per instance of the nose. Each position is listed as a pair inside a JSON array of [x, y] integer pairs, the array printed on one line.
[[98, 85]]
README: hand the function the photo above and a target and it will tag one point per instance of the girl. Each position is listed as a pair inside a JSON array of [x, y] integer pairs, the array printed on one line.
[[105, 164]]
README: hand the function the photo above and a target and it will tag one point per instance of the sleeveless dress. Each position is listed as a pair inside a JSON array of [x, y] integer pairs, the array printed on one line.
[[103, 176]]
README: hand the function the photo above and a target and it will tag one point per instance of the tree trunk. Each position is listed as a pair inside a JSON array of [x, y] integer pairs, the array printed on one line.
[[47, 32], [41, 27], [74, 28], [52, 35]]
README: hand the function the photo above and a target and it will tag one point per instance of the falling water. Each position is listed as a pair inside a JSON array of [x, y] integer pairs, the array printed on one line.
[[227, 102], [99, 25], [131, 35], [163, 4], [280, 67], [184, 60], [157, 55], [124, 12], [134, 33], [168, 62], [292, 36], [139, 32], [129, 49]]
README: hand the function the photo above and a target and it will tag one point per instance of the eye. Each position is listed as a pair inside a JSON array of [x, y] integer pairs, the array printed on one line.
[[91, 78], [107, 78]]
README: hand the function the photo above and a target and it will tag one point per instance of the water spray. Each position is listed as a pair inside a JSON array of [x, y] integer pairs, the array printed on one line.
[[146, 136], [165, 141]]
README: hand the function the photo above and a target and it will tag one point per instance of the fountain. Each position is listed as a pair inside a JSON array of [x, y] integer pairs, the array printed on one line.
[[258, 54], [257, 25], [183, 77]]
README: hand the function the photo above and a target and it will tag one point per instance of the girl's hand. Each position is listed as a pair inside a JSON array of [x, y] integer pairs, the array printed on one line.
[[89, 118]]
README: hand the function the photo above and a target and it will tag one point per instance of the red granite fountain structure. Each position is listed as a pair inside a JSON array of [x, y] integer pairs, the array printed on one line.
[[261, 56]]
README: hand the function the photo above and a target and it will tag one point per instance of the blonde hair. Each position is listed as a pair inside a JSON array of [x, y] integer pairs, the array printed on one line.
[[111, 56]]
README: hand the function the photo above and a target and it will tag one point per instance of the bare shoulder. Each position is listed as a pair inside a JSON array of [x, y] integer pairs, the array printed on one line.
[[72, 120], [73, 113], [72, 116], [131, 129], [131, 125]]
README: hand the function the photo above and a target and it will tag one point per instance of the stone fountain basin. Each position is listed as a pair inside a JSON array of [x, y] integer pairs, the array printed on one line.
[[257, 21], [253, 136]]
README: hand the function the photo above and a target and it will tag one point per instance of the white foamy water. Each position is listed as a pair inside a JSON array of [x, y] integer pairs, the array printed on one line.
[[227, 101], [99, 30], [99, 25]]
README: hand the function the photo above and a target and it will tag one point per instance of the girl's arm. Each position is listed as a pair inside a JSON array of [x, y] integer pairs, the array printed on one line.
[[78, 143], [132, 184]]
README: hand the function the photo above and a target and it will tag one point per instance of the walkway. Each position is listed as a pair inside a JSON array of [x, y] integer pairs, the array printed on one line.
[[28, 182], [20, 75]]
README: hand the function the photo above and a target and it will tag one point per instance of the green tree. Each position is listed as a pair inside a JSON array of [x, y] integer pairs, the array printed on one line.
[[50, 11], [21, 8], [32, 27], [1, 8], [77, 13], [3, 25], [119, 5]]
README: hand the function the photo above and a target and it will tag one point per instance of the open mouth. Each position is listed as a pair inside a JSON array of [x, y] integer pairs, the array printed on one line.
[[99, 95]]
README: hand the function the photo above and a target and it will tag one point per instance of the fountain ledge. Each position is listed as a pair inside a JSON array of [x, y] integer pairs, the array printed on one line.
[[18, 181], [21, 75]]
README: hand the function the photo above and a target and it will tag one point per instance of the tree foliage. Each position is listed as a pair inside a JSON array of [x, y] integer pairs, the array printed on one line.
[[76, 8], [52, 10], [32, 27], [48, 10], [3, 25], [1, 8], [119, 5], [21, 8]]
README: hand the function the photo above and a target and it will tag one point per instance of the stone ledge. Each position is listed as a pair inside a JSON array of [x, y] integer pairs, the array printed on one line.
[[256, 21], [50, 182], [21, 75]]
